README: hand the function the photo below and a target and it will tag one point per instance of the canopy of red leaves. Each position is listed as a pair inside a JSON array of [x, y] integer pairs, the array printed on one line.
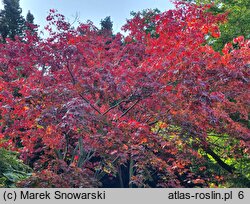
[[112, 91]]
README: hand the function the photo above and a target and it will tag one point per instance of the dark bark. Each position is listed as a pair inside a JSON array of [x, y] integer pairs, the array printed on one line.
[[225, 166]]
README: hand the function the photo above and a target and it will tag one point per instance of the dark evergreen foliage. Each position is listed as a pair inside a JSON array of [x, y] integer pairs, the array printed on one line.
[[30, 18], [107, 25], [12, 23]]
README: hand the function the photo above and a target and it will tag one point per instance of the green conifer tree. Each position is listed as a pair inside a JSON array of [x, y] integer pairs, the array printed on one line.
[[12, 23], [107, 26], [30, 18]]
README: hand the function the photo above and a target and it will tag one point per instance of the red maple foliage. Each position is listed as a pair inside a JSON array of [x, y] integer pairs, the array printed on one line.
[[107, 103]]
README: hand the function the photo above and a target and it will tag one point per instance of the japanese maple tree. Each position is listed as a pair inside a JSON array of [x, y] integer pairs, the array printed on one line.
[[137, 108]]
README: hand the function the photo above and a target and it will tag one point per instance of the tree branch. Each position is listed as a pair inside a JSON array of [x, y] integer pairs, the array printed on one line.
[[74, 81], [134, 104], [114, 106], [86, 100], [225, 166]]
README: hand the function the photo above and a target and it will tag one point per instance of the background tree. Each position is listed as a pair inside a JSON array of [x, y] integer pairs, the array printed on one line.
[[12, 169], [30, 22], [12, 22], [30, 18], [107, 25], [237, 23], [148, 16]]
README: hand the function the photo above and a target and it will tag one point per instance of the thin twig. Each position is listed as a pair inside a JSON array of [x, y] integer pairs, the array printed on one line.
[[86, 100], [114, 106], [71, 74], [67, 145], [154, 122], [129, 109]]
